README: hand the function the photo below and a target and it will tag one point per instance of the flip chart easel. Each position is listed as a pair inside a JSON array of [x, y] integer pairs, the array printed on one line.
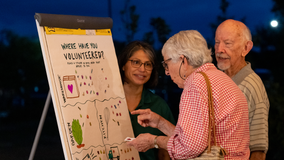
[[85, 86]]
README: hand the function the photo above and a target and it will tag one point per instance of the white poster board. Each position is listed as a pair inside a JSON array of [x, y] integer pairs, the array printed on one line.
[[87, 93]]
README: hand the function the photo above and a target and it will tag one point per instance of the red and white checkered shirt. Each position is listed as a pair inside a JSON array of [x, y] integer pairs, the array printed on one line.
[[190, 137]]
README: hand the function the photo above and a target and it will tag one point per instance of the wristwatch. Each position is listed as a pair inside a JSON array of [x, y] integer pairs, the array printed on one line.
[[155, 142]]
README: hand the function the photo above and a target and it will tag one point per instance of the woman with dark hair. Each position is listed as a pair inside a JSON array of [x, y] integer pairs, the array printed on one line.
[[138, 68]]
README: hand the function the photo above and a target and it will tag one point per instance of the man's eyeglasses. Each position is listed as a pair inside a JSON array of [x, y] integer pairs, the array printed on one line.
[[165, 65], [136, 63]]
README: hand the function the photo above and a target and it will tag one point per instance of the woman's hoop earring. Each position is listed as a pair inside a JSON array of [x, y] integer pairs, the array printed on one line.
[[179, 72]]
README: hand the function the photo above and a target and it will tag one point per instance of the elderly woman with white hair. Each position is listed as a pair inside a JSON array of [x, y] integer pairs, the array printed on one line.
[[186, 59]]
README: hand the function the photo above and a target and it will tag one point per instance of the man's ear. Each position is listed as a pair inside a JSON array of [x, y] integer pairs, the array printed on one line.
[[248, 47]]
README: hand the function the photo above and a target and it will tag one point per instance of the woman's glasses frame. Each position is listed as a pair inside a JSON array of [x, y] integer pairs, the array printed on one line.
[[136, 63], [165, 65]]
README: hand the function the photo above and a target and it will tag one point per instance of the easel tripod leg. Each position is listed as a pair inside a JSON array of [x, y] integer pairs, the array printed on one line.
[[39, 129]]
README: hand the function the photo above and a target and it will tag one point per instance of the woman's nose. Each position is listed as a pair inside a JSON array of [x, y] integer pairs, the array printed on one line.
[[167, 72], [142, 67]]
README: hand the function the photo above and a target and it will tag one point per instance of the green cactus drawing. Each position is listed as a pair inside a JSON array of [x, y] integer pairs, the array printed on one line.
[[77, 132]]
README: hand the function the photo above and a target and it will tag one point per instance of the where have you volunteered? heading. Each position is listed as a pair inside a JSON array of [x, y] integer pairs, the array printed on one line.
[[82, 55]]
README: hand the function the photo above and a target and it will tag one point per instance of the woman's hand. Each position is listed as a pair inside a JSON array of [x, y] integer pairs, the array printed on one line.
[[143, 142], [147, 118]]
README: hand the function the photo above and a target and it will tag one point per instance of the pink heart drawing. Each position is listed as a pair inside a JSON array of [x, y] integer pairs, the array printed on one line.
[[70, 88]]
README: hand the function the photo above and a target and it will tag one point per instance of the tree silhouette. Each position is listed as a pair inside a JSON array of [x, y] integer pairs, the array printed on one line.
[[270, 43], [160, 29], [130, 20], [220, 18], [23, 66]]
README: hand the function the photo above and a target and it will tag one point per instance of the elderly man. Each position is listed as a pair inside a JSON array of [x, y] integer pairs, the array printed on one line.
[[232, 43]]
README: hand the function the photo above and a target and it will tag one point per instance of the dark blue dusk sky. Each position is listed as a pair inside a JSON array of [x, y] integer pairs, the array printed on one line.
[[18, 15]]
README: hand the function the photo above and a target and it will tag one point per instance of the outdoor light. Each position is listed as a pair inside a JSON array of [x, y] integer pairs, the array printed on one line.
[[274, 23]]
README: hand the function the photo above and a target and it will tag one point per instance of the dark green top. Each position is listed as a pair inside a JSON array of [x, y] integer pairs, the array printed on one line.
[[157, 105]]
